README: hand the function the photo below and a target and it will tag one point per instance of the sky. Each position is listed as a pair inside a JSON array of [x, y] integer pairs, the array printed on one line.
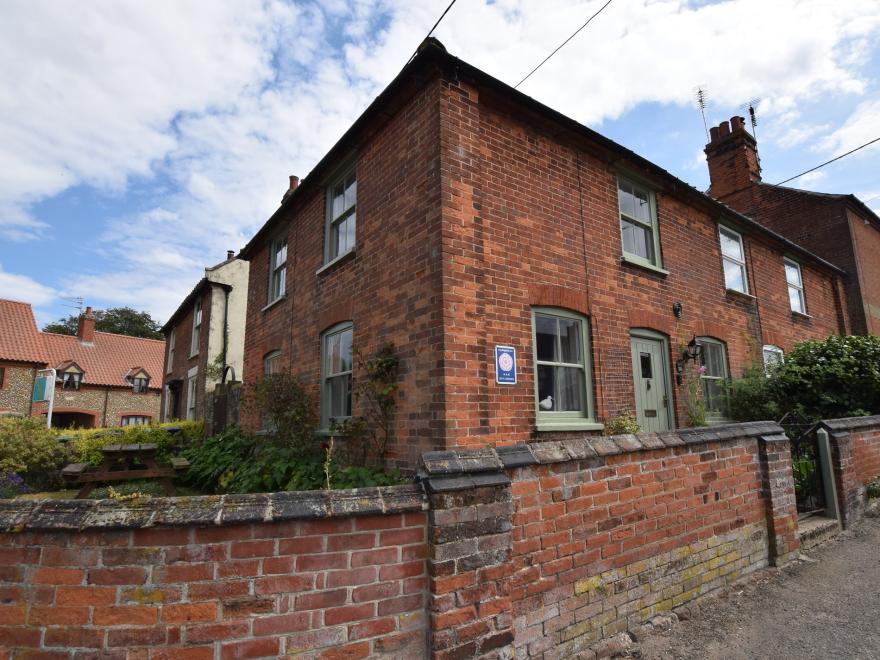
[[139, 141]]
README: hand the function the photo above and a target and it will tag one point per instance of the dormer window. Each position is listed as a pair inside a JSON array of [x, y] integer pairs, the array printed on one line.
[[139, 385], [71, 380]]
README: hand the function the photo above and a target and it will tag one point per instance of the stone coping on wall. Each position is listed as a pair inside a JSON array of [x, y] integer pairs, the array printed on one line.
[[453, 470], [845, 424], [78, 515]]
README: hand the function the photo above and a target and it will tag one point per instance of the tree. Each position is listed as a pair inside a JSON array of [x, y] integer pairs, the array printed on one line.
[[118, 320]]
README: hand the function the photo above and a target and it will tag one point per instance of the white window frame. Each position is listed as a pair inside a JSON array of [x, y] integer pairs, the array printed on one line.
[[331, 246], [713, 415], [725, 258], [653, 228], [795, 286], [327, 375], [277, 269], [123, 422], [772, 363], [140, 385], [171, 342], [167, 412], [192, 392], [196, 328], [552, 420], [73, 377]]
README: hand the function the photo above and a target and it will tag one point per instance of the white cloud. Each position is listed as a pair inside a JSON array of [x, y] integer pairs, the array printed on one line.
[[226, 99], [862, 126], [809, 180], [21, 287]]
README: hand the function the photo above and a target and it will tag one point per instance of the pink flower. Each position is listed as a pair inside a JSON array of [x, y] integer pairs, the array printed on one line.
[[702, 370]]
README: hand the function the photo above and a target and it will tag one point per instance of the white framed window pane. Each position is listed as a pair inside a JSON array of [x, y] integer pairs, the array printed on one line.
[[350, 191], [642, 205], [793, 274], [545, 338], [625, 196], [734, 276], [795, 299], [339, 396], [713, 394], [338, 201], [731, 246], [547, 395], [713, 360]]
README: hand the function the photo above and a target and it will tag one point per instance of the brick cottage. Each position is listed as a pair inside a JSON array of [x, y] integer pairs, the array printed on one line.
[[103, 379], [457, 216], [839, 228]]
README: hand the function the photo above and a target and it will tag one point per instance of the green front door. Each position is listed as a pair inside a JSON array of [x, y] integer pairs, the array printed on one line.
[[651, 382]]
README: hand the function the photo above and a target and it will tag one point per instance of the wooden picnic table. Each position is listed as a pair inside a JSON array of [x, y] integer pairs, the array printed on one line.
[[124, 463]]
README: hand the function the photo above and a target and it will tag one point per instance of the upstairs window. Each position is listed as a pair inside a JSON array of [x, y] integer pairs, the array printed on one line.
[[139, 385], [562, 370], [197, 328], [341, 216], [712, 376], [71, 380], [171, 342], [773, 357], [336, 367], [272, 364], [277, 268], [733, 257], [638, 223], [795, 287]]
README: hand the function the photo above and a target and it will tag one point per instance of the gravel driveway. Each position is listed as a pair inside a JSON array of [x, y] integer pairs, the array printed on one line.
[[827, 606]]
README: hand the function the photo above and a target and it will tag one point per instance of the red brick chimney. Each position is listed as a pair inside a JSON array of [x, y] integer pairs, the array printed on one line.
[[86, 329], [732, 154], [294, 184]]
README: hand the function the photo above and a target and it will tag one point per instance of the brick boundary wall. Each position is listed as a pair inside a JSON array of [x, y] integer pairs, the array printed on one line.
[[337, 574], [540, 550], [855, 458]]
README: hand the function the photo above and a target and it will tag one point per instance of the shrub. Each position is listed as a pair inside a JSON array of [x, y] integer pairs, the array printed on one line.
[[29, 451], [752, 397], [287, 408], [238, 462], [86, 444], [625, 422], [835, 377]]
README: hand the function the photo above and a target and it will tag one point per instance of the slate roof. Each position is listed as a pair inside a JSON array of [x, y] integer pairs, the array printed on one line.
[[107, 361]]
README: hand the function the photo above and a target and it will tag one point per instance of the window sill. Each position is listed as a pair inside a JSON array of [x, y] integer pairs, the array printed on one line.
[[274, 302], [337, 260], [192, 355], [574, 425], [733, 293], [638, 263], [801, 316]]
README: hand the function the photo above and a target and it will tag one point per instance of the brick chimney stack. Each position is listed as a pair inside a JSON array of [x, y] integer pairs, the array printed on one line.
[[86, 329], [294, 184], [732, 154]]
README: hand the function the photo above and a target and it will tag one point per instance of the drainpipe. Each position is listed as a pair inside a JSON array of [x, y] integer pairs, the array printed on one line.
[[104, 417]]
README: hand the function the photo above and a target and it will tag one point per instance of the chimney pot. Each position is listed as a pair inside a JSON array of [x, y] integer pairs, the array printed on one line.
[[86, 329], [294, 182], [724, 129], [736, 123], [713, 132], [230, 254]]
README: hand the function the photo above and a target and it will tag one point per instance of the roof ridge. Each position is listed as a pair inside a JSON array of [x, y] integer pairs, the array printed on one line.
[[119, 334]]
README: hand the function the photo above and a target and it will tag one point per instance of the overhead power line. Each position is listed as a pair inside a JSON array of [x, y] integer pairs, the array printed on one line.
[[431, 31], [828, 162], [559, 47]]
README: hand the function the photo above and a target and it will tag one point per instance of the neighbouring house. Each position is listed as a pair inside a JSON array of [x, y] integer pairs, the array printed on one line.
[[102, 379], [838, 228], [535, 277], [204, 341]]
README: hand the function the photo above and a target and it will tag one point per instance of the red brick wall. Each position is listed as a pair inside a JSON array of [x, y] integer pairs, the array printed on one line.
[[866, 454], [389, 289], [349, 587], [866, 239]]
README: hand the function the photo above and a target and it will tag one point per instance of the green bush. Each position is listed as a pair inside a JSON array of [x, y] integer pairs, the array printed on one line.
[[238, 462], [86, 444], [287, 407], [31, 451], [752, 397], [625, 422], [836, 377]]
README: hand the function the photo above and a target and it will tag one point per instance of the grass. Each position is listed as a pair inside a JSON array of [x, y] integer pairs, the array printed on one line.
[[152, 488]]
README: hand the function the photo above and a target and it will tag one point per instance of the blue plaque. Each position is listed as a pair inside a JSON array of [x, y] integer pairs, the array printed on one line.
[[505, 365]]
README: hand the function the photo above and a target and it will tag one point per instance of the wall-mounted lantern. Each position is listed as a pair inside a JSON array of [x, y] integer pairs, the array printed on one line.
[[693, 351]]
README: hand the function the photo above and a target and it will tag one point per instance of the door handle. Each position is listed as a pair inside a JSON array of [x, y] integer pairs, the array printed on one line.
[[665, 400]]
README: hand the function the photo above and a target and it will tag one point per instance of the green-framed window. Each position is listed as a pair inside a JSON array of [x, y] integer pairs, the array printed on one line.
[[563, 372], [638, 223], [277, 268], [713, 375], [341, 215], [733, 257], [336, 368]]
